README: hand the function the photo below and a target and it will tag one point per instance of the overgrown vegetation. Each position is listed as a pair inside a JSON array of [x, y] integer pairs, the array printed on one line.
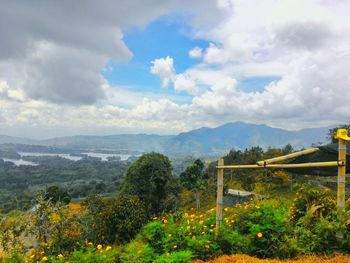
[[159, 217]]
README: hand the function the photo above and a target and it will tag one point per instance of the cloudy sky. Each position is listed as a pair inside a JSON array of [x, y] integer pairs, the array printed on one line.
[[167, 66]]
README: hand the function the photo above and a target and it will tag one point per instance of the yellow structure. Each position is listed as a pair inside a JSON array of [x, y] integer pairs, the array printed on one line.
[[342, 136]]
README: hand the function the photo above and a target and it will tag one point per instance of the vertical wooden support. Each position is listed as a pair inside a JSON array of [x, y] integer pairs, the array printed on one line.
[[341, 174], [219, 198]]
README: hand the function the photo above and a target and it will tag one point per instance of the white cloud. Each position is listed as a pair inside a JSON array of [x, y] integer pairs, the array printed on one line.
[[164, 67], [183, 82], [60, 48], [303, 43], [196, 52]]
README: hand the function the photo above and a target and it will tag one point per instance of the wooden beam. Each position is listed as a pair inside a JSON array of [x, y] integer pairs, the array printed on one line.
[[341, 174], [219, 198], [285, 166], [287, 157]]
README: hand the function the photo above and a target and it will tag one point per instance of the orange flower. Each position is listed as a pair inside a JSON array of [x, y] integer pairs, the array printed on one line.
[[207, 246], [99, 246]]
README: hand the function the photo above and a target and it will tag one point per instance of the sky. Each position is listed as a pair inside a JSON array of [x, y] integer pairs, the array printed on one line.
[[170, 66]]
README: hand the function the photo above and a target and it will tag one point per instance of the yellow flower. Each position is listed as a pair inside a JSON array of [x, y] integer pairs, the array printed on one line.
[[108, 248], [174, 246], [99, 246], [169, 235], [165, 221], [167, 253], [32, 256], [60, 256], [225, 209], [260, 235], [44, 258], [90, 244]]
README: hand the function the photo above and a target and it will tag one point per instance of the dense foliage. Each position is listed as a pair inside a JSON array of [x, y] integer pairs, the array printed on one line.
[[148, 178], [151, 219], [79, 179]]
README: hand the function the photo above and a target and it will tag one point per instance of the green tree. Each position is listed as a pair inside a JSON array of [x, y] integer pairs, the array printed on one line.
[[56, 194], [113, 220], [194, 179], [148, 178]]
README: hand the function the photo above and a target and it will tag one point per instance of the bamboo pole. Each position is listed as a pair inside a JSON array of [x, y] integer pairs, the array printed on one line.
[[341, 174], [287, 157], [286, 166], [220, 190]]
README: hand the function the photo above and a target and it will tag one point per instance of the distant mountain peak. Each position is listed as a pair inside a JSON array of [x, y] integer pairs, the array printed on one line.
[[202, 141]]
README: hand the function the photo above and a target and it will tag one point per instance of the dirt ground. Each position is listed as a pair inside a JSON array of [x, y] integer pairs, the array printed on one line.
[[307, 259]]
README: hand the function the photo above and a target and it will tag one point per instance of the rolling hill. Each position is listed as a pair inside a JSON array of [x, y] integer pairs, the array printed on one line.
[[203, 141]]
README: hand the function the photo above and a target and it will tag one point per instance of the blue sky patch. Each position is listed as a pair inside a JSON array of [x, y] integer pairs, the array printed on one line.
[[255, 84], [164, 37]]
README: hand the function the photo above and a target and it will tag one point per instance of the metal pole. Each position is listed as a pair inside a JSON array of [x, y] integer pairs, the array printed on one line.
[[341, 174], [219, 198]]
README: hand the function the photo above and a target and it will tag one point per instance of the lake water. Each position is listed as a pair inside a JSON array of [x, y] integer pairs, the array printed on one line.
[[102, 156], [20, 162], [63, 155]]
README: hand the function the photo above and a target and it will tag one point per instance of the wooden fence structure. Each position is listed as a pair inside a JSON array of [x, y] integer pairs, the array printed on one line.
[[341, 135]]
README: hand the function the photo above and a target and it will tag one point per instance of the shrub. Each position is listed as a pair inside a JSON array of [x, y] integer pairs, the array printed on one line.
[[115, 220], [318, 202], [262, 227], [175, 257], [138, 252]]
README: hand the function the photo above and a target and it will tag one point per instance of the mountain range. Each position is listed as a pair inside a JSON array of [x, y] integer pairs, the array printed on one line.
[[203, 141]]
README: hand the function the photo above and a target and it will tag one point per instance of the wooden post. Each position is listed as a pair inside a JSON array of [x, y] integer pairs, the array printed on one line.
[[219, 193], [341, 174]]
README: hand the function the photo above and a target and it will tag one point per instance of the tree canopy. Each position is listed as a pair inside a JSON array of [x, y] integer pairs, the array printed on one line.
[[148, 178]]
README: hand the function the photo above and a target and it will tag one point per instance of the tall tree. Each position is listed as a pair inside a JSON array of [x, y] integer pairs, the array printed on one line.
[[194, 179], [148, 178]]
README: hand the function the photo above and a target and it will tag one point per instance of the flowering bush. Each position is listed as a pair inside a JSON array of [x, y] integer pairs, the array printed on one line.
[[89, 254], [255, 228]]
